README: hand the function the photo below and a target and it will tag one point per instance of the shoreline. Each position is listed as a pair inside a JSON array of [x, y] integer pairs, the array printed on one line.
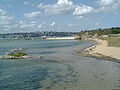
[[47, 38], [101, 50], [61, 38]]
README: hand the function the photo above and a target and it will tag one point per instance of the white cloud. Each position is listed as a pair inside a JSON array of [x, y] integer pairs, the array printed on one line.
[[6, 22], [96, 24], [3, 12], [4, 18], [39, 26], [33, 22], [10, 24], [32, 14], [107, 2], [71, 25], [28, 3], [79, 17], [109, 5], [40, 5], [61, 7], [83, 9], [27, 25], [57, 9], [52, 24], [64, 2]]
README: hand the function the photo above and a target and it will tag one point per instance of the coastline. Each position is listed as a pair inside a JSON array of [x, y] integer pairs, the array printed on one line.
[[101, 50], [61, 38]]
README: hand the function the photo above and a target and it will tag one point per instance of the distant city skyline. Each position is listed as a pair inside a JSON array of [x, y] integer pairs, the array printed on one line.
[[58, 15]]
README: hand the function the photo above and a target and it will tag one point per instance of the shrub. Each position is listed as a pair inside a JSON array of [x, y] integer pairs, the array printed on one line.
[[17, 54]]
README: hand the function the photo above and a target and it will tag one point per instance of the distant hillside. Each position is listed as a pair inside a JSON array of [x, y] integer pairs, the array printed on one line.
[[99, 32]]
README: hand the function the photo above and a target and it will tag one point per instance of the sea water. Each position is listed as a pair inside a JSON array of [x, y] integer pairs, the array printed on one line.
[[58, 69]]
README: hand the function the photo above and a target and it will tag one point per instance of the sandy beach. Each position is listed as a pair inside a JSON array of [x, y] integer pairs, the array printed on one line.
[[102, 48]]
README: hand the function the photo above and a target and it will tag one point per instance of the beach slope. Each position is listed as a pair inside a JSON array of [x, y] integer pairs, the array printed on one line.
[[101, 49]]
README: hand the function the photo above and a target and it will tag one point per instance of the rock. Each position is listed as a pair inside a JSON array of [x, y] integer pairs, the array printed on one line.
[[16, 50], [20, 57]]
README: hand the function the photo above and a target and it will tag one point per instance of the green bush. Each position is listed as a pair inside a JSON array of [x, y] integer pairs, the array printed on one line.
[[17, 54], [107, 31]]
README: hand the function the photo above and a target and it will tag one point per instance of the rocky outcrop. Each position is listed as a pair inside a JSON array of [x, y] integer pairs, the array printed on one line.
[[18, 54], [14, 57]]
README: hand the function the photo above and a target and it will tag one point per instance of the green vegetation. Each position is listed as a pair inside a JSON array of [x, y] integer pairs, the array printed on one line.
[[115, 30], [18, 54], [3, 50], [113, 41], [99, 32]]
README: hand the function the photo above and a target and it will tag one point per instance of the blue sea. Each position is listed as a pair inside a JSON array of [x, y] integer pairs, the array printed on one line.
[[57, 69]]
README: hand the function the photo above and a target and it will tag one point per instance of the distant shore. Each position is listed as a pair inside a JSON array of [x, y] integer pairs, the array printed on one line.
[[44, 38], [102, 50], [62, 38]]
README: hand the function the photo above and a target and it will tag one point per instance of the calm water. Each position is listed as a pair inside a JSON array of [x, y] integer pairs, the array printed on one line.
[[59, 69]]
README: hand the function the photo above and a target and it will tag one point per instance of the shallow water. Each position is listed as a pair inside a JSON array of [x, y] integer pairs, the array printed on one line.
[[59, 69]]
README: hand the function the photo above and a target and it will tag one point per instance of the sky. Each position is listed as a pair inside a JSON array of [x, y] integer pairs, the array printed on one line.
[[58, 15]]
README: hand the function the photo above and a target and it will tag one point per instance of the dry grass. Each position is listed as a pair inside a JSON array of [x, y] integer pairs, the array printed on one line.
[[113, 41]]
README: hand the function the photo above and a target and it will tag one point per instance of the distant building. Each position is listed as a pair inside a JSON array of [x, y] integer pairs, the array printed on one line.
[[42, 34]]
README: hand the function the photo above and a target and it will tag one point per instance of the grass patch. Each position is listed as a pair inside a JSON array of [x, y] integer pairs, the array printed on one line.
[[17, 54], [113, 41]]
